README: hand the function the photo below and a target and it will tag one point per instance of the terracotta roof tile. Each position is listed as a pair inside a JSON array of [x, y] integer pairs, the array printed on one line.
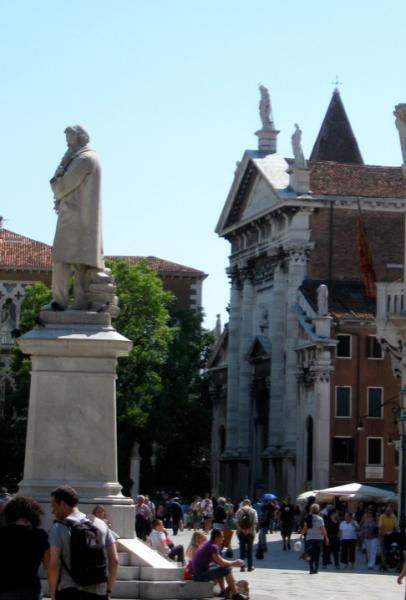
[[160, 265], [19, 252], [338, 179]]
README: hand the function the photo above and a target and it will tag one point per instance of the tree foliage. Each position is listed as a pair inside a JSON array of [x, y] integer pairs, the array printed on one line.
[[144, 319], [13, 420]]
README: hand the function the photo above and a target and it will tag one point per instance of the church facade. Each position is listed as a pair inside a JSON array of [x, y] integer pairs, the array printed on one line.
[[303, 393]]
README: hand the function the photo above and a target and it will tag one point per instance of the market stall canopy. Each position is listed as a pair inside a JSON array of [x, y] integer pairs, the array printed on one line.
[[358, 491], [304, 496]]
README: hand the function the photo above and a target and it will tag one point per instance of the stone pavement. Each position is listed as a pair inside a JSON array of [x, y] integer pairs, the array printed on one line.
[[282, 576]]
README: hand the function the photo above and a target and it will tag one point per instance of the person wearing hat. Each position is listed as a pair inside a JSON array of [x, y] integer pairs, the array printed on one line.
[[176, 512]]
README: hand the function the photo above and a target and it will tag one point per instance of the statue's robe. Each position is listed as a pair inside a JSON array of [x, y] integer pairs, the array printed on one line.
[[78, 236]]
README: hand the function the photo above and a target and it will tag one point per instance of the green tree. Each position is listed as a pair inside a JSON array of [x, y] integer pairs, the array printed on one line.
[[144, 319], [181, 421], [13, 420]]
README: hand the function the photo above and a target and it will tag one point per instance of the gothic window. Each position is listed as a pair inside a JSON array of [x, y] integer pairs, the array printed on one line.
[[8, 321], [343, 349], [343, 401], [343, 450]]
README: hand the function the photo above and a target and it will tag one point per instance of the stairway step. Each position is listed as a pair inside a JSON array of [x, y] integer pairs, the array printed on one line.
[[128, 573], [126, 589], [123, 559], [165, 590], [161, 574]]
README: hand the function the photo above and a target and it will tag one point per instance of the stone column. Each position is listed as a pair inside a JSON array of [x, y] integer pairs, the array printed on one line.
[[71, 432], [277, 335], [321, 433], [246, 336], [233, 367]]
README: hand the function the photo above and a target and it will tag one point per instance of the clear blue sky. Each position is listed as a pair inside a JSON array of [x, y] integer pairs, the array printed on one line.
[[168, 92]]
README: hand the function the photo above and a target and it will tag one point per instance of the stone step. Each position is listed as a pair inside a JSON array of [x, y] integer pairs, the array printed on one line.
[[165, 590], [155, 590], [126, 589], [161, 574], [128, 573], [124, 559]]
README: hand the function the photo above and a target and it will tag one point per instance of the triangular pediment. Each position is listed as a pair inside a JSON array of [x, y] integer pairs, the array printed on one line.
[[258, 180], [260, 348], [260, 197]]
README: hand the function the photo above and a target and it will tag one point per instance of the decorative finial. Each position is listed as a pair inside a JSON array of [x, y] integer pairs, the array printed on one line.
[[336, 83], [218, 326]]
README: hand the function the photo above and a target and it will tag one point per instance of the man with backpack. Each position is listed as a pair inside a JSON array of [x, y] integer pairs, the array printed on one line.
[[83, 555], [246, 519]]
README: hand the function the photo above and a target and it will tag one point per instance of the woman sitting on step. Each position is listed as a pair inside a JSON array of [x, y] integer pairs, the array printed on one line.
[[157, 541]]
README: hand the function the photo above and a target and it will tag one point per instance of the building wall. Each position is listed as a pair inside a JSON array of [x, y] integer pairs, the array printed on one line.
[[360, 372], [334, 233]]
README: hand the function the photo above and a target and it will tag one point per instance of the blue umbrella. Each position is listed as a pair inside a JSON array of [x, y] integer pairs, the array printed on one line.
[[268, 497]]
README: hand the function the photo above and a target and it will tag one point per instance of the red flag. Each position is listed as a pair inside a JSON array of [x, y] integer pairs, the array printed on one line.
[[365, 261]]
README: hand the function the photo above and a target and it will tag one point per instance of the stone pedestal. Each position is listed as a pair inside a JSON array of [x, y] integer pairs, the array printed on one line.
[[71, 434]]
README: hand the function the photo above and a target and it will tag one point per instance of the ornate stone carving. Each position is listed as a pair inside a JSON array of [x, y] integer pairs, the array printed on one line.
[[77, 245]]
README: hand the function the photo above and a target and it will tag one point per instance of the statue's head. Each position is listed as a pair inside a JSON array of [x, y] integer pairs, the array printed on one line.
[[76, 136]]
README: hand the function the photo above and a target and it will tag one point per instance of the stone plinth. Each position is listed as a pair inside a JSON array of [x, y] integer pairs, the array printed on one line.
[[71, 434]]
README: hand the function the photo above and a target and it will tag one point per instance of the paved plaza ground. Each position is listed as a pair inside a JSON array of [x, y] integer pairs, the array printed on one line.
[[282, 575]]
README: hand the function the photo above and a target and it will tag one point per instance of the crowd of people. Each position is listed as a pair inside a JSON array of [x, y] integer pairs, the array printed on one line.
[[332, 535]]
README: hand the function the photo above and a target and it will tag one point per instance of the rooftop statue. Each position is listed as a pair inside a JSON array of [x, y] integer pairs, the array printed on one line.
[[265, 108], [300, 160], [322, 300], [77, 246]]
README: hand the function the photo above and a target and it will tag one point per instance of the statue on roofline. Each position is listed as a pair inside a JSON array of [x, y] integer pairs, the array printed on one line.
[[300, 160], [265, 108]]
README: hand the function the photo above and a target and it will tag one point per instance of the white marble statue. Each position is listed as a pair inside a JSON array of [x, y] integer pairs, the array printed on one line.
[[77, 245], [400, 114], [265, 108], [322, 300], [300, 160]]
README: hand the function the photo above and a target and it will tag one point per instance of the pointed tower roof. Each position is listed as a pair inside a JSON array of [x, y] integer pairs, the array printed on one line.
[[336, 140]]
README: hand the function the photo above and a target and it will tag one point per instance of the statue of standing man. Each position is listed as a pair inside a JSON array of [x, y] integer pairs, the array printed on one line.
[[77, 245]]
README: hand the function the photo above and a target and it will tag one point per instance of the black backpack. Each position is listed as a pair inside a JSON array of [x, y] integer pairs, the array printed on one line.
[[88, 564], [247, 519]]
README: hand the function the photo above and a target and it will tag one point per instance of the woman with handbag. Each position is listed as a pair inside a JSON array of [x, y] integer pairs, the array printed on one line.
[[314, 533]]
